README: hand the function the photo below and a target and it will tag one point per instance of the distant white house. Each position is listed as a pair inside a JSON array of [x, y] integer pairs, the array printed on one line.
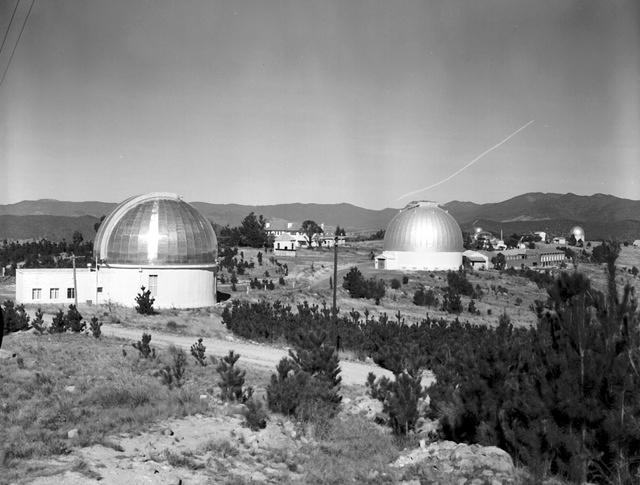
[[560, 240], [636, 243], [285, 245]]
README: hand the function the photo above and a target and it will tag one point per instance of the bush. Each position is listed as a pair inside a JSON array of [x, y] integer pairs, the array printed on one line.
[[359, 287], [59, 323], [15, 317], [424, 297], [256, 418], [73, 320], [472, 308], [451, 301], [395, 284], [405, 279], [307, 382], [281, 281], [400, 398], [198, 351], [173, 374], [95, 327], [145, 302], [146, 351], [38, 322], [232, 379]]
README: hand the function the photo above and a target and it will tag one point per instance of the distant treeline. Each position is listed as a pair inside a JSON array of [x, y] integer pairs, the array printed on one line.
[[45, 254]]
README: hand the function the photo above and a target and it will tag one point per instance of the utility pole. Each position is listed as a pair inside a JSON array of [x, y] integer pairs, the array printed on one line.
[[335, 275], [75, 281]]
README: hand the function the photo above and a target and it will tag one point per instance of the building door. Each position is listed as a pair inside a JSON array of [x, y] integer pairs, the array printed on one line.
[[153, 285], [381, 263]]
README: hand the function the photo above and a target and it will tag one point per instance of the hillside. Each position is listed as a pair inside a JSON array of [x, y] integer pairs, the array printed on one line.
[[602, 216]]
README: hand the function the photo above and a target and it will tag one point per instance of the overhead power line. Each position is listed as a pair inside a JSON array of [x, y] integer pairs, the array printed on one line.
[[13, 14], [17, 42]]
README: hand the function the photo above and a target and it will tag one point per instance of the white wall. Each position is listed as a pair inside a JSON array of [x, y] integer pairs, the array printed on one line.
[[177, 287], [429, 261], [61, 278]]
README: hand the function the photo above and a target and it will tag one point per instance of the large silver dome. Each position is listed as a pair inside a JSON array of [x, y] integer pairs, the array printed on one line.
[[423, 227], [157, 229]]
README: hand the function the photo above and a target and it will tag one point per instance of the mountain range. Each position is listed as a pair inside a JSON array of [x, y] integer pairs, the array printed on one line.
[[602, 216]]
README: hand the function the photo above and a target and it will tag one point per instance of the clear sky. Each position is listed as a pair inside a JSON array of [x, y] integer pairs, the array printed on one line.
[[360, 101]]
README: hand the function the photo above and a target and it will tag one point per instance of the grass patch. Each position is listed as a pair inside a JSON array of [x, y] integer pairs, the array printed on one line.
[[353, 451], [77, 382]]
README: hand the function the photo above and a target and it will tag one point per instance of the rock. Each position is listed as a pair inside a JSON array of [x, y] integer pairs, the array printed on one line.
[[70, 389], [203, 397], [365, 406], [168, 432], [72, 433], [5, 354]]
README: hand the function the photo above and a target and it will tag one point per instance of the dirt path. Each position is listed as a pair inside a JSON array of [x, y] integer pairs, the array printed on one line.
[[353, 373]]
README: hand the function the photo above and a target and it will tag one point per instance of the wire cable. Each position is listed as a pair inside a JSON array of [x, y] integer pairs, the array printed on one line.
[[17, 42], [4, 39]]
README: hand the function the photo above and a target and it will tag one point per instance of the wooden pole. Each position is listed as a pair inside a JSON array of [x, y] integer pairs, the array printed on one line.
[[335, 275], [75, 281]]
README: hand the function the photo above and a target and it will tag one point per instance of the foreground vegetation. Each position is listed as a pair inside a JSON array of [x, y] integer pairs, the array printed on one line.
[[561, 397]]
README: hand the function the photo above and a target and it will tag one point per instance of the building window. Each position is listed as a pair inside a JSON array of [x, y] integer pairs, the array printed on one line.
[[99, 290], [153, 284], [36, 293], [71, 293], [54, 293]]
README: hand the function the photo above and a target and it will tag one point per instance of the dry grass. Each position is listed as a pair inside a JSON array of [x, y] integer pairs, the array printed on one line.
[[112, 393]]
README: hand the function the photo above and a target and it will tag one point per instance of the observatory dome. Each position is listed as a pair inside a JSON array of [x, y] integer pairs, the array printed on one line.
[[578, 233], [423, 227], [156, 229]]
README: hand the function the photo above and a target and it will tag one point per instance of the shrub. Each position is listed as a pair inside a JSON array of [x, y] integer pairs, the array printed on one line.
[[281, 281], [256, 418], [73, 320], [395, 284], [198, 351], [232, 379], [359, 287], [472, 308], [424, 297], [451, 302], [146, 351], [307, 382], [173, 374], [405, 279], [38, 322], [15, 317], [59, 323], [145, 302], [95, 326], [400, 398]]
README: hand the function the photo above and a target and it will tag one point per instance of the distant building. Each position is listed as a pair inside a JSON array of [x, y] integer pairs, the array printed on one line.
[[476, 259], [560, 240], [532, 258], [542, 235], [636, 243], [284, 245], [155, 240], [422, 236]]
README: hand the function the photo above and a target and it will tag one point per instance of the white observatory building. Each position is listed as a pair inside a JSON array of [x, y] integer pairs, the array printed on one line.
[[578, 233], [422, 236], [155, 240]]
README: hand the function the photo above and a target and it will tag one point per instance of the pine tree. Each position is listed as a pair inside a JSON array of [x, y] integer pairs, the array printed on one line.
[[232, 379], [145, 302]]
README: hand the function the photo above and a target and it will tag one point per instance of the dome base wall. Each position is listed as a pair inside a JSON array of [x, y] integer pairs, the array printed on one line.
[[174, 287], [419, 261]]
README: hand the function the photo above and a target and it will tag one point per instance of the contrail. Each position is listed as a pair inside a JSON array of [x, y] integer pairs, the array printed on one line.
[[468, 164]]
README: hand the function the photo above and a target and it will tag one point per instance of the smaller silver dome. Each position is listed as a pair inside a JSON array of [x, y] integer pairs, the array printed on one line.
[[423, 226], [578, 233]]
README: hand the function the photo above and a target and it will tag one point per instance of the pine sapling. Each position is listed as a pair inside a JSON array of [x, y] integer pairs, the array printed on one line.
[[145, 302], [59, 323], [38, 322], [232, 379], [146, 351], [95, 327], [198, 350], [173, 374]]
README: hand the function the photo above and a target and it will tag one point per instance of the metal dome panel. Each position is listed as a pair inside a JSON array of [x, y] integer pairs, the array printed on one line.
[[578, 233], [423, 227], [156, 229]]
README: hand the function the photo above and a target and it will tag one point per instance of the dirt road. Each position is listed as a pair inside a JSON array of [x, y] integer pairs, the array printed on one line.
[[353, 373]]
